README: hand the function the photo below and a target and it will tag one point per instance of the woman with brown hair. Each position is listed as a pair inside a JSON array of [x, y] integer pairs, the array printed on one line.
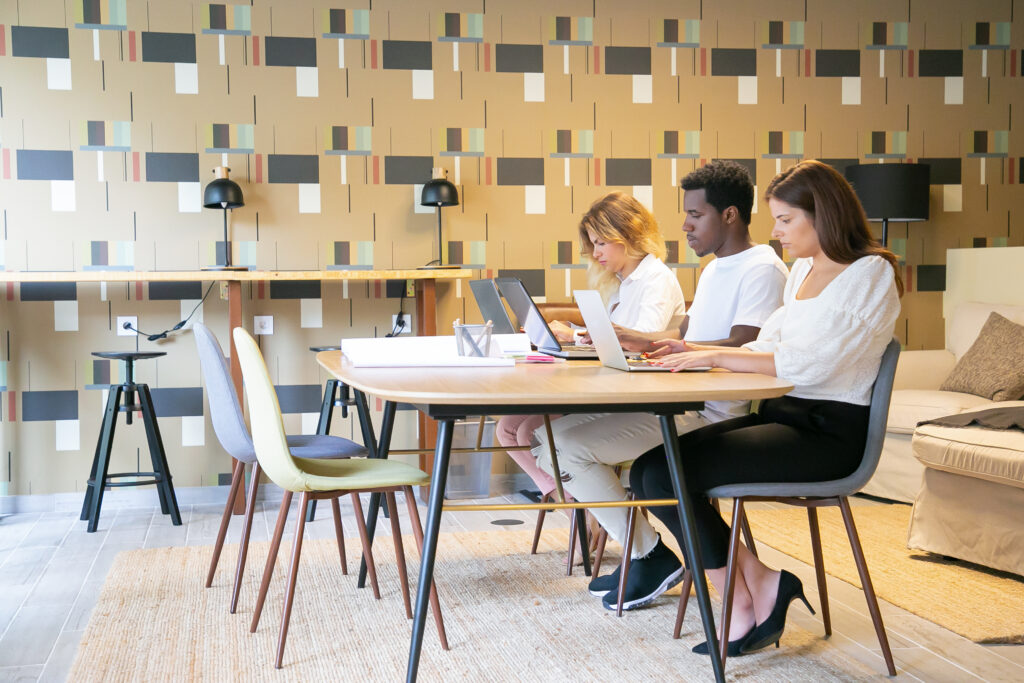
[[840, 305]]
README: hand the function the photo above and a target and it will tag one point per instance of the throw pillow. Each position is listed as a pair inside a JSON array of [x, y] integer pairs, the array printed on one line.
[[993, 367]]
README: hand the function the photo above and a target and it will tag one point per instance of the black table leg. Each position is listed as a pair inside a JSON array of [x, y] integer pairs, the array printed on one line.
[[691, 545], [442, 452], [581, 528], [323, 427], [377, 450]]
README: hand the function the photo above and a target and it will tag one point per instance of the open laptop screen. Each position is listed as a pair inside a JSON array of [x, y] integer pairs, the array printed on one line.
[[489, 302], [527, 313]]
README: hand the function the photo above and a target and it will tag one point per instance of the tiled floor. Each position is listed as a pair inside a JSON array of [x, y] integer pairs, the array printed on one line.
[[51, 571]]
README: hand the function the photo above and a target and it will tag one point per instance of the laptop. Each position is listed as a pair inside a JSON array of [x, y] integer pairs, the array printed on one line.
[[489, 302], [533, 323], [602, 333]]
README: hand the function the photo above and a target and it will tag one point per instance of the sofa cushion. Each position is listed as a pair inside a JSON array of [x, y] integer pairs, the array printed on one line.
[[910, 406], [996, 455], [993, 367]]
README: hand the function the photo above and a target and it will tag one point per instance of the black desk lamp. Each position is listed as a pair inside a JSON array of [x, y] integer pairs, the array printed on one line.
[[891, 192], [439, 192], [223, 193]]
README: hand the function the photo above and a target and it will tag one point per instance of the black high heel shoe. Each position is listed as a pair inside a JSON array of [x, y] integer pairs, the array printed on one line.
[[770, 630], [735, 648]]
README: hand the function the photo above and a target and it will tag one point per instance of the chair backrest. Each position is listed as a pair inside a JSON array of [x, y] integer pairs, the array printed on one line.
[[265, 414], [225, 411]]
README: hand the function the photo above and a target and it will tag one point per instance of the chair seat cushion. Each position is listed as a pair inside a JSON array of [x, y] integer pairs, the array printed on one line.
[[910, 406], [321, 446], [996, 455], [358, 474]]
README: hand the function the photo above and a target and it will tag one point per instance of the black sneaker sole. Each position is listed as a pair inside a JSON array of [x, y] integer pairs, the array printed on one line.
[[670, 581]]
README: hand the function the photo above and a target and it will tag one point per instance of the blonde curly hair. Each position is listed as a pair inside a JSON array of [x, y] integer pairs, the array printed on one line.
[[620, 218]]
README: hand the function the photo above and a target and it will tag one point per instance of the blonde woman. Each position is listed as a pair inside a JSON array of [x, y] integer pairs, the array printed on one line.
[[621, 240]]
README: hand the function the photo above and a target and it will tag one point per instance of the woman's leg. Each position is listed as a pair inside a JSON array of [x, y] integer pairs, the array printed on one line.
[[516, 430]]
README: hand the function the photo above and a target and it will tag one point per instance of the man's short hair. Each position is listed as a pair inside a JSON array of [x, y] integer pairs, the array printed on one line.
[[725, 184]]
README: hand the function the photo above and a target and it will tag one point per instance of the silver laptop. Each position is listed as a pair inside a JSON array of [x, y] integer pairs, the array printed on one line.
[[602, 333], [489, 302], [533, 323]]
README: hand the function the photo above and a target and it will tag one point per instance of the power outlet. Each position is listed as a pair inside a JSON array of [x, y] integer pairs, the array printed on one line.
[[407, 318], [263, 324], [132, 320]]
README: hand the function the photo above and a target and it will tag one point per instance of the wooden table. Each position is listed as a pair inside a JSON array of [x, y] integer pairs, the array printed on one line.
[[426, 297], [448, 394]]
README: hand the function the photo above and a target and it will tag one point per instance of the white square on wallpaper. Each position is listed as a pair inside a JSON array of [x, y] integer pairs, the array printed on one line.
[[186, 78], [747, 90], [66, 435], [306, 82], [533, 87], [309, 197], [851, 89], [65, 316], [535, 198], [645, 195], [190, 197], [311, 420], [422, 84], [952, 198], [417, 192], [954, 90], [643, 88], [62, 195], [311, 312], [193, 430], [58, 73]]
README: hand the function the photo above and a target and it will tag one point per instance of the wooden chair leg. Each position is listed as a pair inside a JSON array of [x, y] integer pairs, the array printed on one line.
[[417, 530], [730, 577], [624, 574], [243, 544], [268, 569], [819, 568], [540, 523], [602, 539], [396, 535], [865, 579], [237, 475], [684, 598], [364, 538], [293, 575], [339, 533]]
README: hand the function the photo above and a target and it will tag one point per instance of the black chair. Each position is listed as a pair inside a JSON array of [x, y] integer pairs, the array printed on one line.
[[332, 400], [99, 477]]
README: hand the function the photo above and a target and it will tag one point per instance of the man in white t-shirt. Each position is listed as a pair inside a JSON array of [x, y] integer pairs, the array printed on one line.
[[735, 295]]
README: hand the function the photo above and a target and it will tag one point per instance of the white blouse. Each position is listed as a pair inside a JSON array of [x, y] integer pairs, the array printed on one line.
[[648, 298], [830, 346]]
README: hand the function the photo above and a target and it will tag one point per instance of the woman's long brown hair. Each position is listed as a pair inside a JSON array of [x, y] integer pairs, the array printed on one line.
[[838, 217]]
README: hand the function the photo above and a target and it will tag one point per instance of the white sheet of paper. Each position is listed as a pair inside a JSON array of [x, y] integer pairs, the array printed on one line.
[[410, 352]]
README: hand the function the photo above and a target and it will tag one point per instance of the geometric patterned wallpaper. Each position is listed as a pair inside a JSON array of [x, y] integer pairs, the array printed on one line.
[[331, 115]]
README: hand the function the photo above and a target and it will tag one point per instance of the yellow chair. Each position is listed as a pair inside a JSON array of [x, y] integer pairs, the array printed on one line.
[[319, 480]]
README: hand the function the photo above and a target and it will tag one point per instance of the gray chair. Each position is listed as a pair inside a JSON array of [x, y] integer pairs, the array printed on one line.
[[812, 495], [229, 425]]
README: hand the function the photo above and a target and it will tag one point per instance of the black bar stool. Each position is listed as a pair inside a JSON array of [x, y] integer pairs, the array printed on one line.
[[99, 478], [330, 402]]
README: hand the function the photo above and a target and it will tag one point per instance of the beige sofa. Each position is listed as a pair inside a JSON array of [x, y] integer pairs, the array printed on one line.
[[916, 397]]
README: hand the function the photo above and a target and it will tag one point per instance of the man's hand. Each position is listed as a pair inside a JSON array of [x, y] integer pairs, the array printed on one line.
[[665, 347], [561, 331], [631, 340]]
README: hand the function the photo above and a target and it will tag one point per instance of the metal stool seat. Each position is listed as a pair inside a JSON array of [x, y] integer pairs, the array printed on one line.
[[99, 477]]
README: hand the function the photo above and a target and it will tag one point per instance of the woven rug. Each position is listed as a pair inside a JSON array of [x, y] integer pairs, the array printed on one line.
[[984, 605], [509, 616]]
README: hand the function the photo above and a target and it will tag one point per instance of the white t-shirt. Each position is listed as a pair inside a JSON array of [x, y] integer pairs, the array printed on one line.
[[830, 346], [742, 289], [648, 298]]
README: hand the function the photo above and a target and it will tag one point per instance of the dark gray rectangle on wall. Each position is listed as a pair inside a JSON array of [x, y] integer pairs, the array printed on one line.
[[750, 165], [283, 51], [940, 63], [178, 402], [39, 41], [172, 167], [407, 170], [49, 291], [406, 54], [46, 164], [931, 278], [510, 58], [294, 289], [948, 171], [516, 171], [627, 60], [293, 168], [627, 172], [37, 406], [837, 63], [533, 279], [299, 398], [169, 47], [175, 291], [733, 62]]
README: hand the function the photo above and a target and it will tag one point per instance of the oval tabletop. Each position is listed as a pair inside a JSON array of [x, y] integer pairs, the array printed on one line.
[[129, 355], [565, 383]]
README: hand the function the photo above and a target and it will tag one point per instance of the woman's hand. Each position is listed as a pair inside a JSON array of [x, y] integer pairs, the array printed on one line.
[[665, 347], [689, 359], [562, 332]]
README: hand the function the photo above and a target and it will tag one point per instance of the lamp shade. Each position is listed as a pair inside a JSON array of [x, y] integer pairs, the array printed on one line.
[[891, 192], [222, 193], [439, 192]]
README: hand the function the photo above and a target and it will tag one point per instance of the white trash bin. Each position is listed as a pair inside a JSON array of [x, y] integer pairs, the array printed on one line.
[[469, 474]]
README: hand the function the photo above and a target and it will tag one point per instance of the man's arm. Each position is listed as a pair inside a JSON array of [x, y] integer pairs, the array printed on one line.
[[738, 336], [632, 340]]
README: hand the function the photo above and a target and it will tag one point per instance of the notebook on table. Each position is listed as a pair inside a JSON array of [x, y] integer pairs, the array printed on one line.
[[533, 323]]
